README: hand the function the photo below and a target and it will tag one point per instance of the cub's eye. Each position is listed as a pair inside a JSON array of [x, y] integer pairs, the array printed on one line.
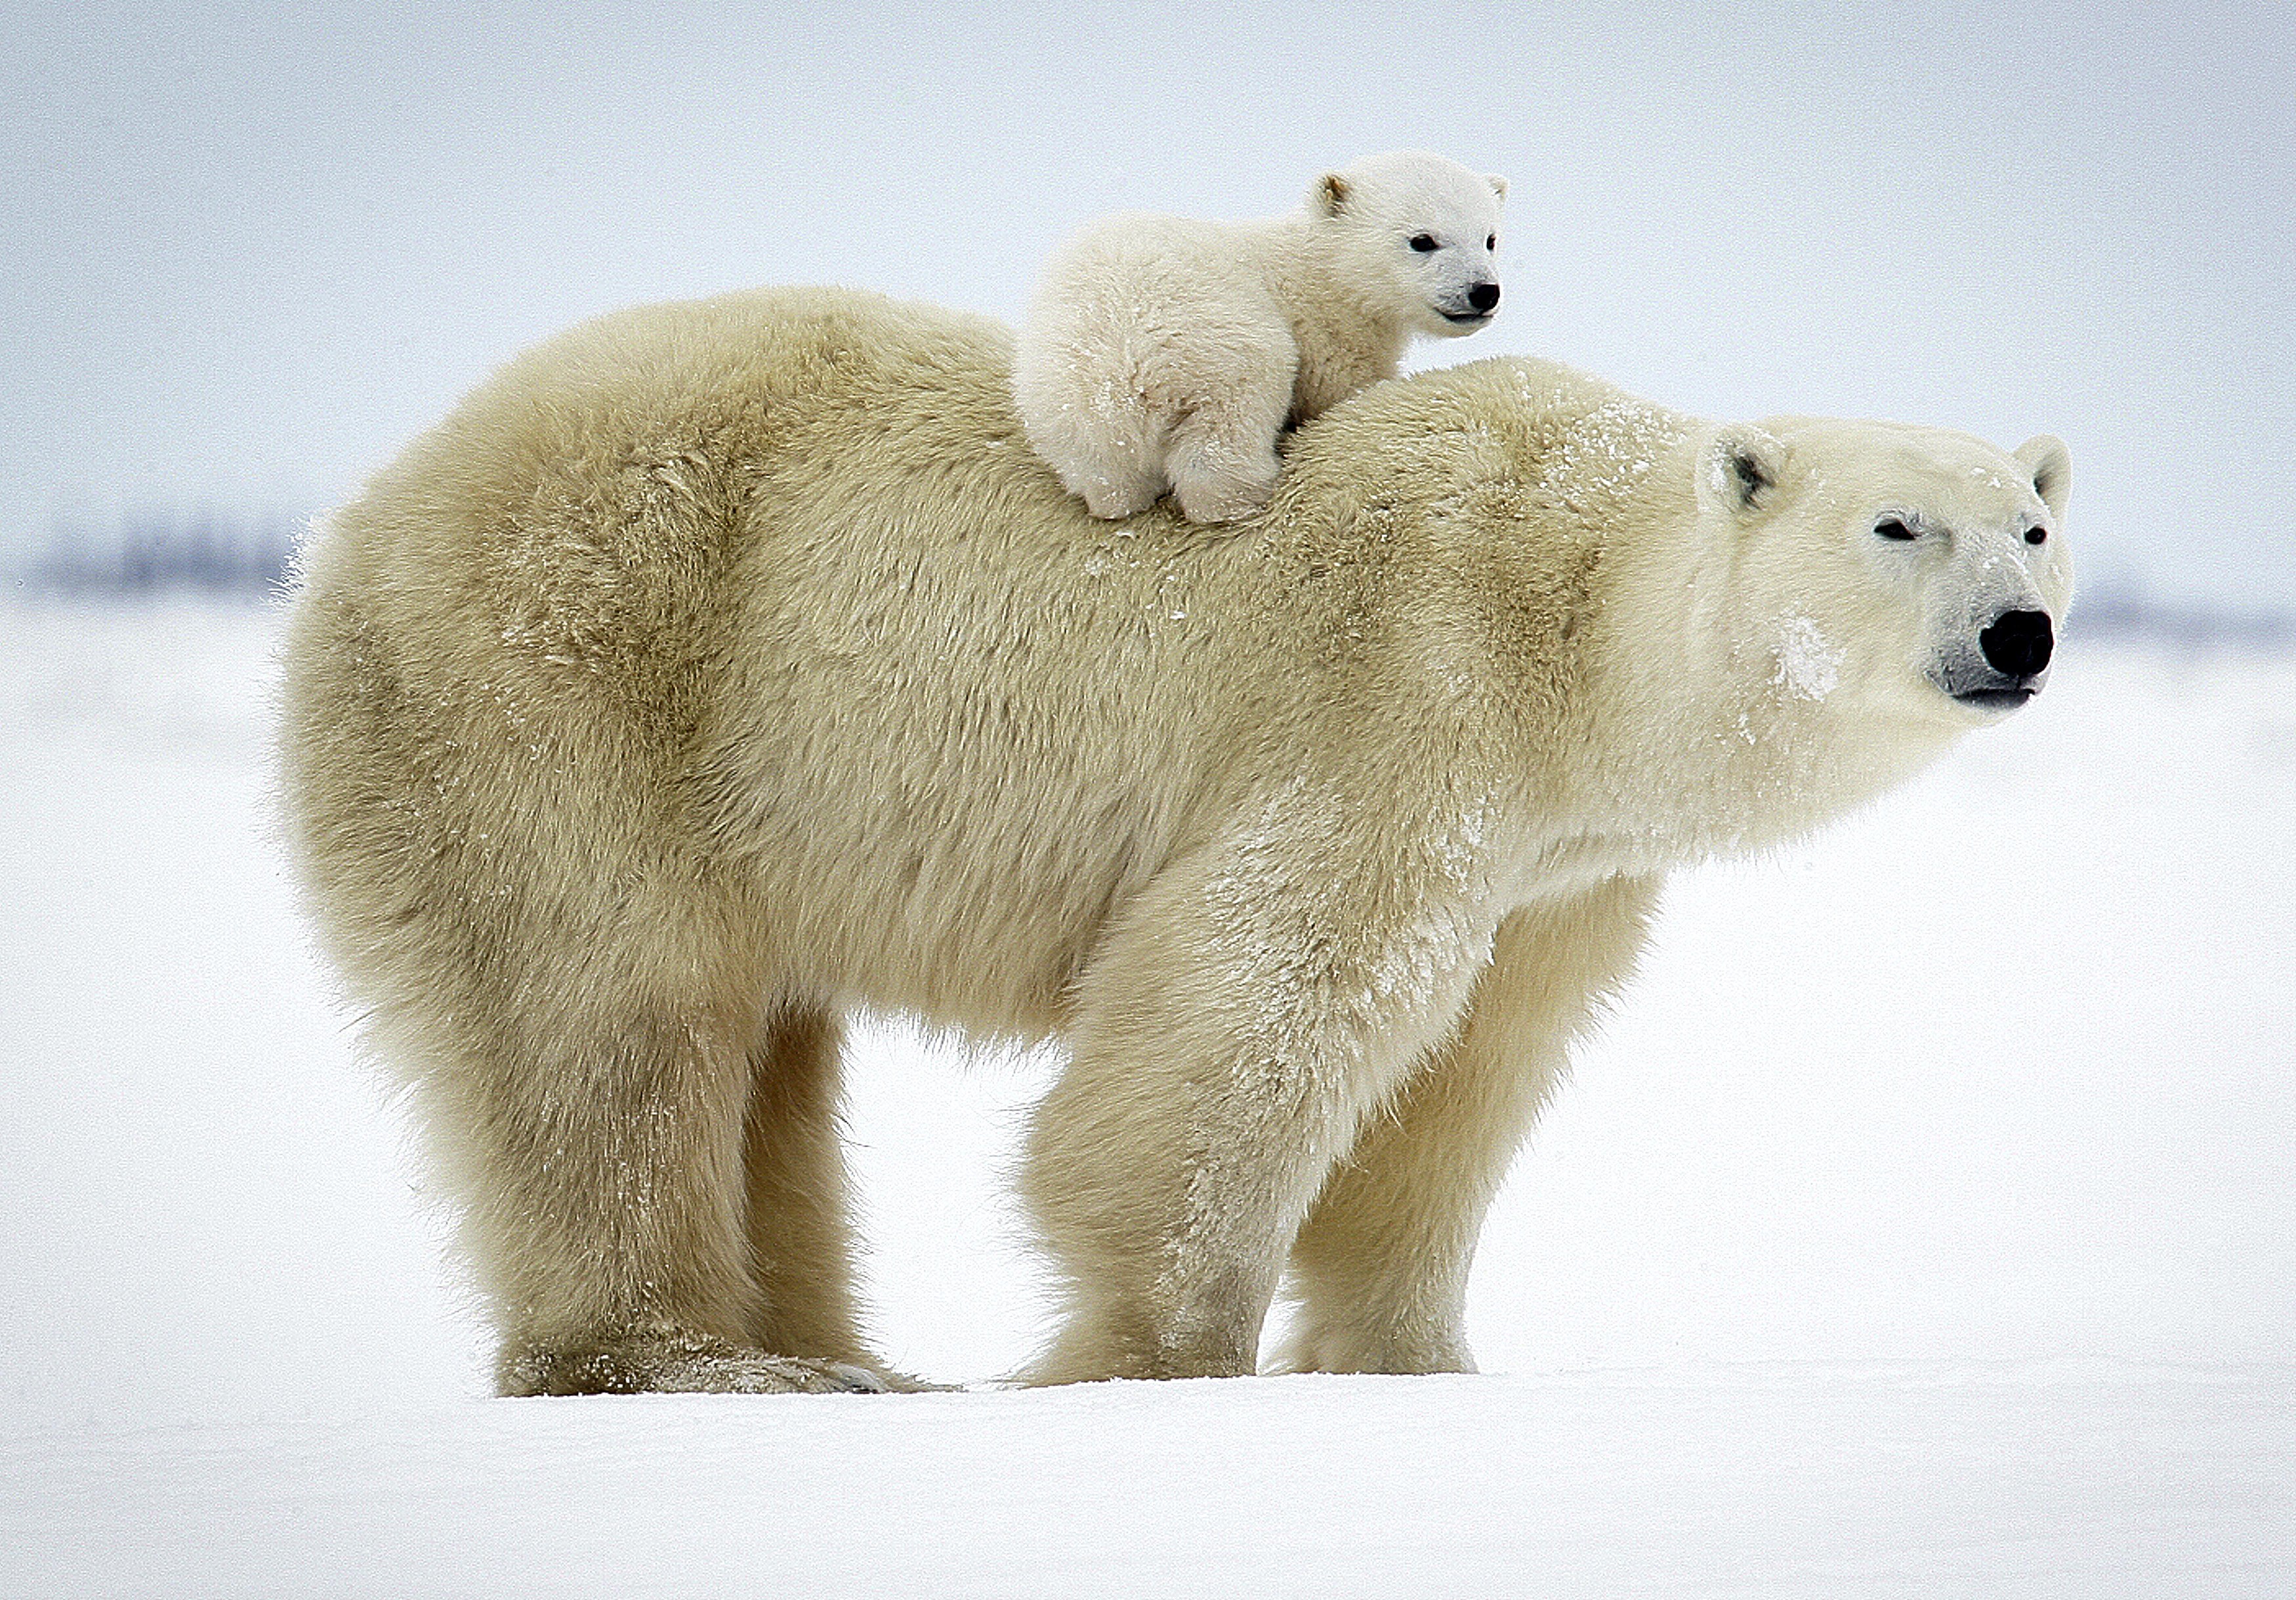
[[2037, 535], [1424, 243], [1893, 528], [1490, 241]]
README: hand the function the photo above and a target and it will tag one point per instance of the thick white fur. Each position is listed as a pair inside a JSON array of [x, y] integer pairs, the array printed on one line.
[[718, 668], [1167, 354]]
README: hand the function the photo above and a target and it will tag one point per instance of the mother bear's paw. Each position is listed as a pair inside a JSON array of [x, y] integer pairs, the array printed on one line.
[[681, 1362]]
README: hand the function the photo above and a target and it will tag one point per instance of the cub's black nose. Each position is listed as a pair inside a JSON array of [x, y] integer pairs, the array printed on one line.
[[2019, 643], [1482, 297]]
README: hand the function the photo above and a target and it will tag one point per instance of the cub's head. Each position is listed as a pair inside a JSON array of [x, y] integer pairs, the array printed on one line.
[[1419, 233], [1914, 571]]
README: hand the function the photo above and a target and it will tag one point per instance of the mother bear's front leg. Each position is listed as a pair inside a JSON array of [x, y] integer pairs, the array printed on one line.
[[1230, 1033], [1381, 1263]]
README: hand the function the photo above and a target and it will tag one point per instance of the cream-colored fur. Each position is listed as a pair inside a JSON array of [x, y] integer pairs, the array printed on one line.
[[1164, 353], [718, 668]]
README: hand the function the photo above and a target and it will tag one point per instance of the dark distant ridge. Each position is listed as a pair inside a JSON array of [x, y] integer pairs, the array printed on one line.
[[2121, 613], [208, 552], [197, 552]]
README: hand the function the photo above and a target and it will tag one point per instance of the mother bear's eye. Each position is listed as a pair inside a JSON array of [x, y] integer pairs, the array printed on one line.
[[1422, 242], [2037, 535], [1893, 528]]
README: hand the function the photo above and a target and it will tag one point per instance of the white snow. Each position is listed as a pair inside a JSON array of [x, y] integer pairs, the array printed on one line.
[[1924, 1222]]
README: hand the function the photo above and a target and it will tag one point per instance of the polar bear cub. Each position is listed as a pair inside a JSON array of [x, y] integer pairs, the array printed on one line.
[[1162, 353]]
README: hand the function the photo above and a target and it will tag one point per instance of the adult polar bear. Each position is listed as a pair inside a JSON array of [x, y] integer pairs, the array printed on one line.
[[718, 667]]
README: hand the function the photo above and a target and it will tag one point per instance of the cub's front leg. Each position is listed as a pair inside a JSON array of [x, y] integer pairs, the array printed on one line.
[[1235, 1026]]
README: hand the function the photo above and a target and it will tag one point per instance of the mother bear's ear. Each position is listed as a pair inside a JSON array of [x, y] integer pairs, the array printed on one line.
[[2052, 467], [1739, 470]]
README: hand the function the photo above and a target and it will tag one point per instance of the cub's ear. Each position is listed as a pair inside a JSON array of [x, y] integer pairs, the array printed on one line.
[[1329, 197], [1739, 470], [1498, 186], [2053, 469]]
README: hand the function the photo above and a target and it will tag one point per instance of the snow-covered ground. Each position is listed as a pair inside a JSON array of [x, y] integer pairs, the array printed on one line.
[[1923, 1223]]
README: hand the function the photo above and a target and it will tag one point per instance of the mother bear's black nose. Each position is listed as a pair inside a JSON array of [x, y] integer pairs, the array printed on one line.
[[2019, 643], [1482, 297]]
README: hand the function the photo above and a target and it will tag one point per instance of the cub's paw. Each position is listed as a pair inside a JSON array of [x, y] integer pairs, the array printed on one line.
[[1207, 497], [1113, 500]]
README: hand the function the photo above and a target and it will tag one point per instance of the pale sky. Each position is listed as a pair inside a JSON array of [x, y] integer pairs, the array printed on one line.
[[247, 251]]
